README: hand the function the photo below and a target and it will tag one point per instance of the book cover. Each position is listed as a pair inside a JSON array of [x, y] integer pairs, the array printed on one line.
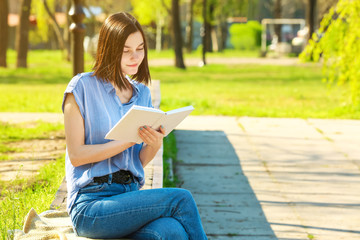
[[126, 129]]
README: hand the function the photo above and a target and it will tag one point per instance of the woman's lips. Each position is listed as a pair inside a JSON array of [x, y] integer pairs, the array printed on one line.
[[133, 65]]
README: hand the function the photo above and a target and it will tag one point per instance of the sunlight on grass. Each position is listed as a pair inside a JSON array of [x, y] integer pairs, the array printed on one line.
[[238, 90], [28, 131], [10, 133], [227, 53]]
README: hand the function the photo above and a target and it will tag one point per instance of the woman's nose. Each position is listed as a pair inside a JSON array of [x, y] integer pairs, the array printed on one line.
[[135, 55]]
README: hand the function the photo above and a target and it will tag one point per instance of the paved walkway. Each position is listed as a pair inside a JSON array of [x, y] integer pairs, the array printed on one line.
[[266, 178]]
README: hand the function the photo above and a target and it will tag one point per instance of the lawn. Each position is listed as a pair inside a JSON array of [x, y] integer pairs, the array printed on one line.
[[231, 90]]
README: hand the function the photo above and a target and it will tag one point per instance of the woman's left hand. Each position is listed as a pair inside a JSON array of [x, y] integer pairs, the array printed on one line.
[[152, 137]]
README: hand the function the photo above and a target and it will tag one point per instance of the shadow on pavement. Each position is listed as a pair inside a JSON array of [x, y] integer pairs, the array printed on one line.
[[209, 167]]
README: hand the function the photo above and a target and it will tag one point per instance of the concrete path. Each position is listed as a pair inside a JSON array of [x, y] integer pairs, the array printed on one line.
[[266, 178]]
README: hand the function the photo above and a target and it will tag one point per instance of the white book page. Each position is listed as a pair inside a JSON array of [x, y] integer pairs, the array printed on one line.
[[149, 109], [173, 118], [127, 128]]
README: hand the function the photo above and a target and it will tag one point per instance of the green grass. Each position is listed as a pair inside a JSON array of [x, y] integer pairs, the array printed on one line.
[[236, 90], [25, 131], [253, 90], [17, 200], [28, 131], [198, 54], [170, 151]]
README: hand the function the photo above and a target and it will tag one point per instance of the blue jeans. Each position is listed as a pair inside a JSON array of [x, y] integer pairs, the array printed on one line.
[[121, 210]]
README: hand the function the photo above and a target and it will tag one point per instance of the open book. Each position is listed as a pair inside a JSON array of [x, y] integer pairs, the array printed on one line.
[[126, 129]]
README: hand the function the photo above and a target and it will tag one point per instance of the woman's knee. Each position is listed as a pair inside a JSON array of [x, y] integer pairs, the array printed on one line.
[[184, 194], [161, 229]]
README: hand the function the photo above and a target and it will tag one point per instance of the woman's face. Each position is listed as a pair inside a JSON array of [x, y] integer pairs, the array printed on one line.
[[133, 54]]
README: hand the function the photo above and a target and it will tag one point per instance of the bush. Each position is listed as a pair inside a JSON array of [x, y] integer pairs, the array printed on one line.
[[245, 36]]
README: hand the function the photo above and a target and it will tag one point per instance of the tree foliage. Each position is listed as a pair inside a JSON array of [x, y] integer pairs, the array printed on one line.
[[148, 11], [337, 43], [41, 34]]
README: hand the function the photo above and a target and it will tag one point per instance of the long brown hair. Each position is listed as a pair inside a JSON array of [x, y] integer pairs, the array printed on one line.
[[112, 37]]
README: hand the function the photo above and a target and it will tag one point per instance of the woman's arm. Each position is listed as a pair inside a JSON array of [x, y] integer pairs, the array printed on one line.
[[78, 151], [153, 140]]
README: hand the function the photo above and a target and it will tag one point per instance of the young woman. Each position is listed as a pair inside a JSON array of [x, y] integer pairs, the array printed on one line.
[[104, 177]]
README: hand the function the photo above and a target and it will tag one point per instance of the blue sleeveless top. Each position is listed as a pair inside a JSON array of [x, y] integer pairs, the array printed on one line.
[[101, 109]]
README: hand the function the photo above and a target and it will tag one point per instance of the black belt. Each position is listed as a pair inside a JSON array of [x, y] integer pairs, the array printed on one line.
[[121, 177]]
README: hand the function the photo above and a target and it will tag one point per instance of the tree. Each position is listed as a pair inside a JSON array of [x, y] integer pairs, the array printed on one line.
[[153, 11], [311, 16], [221, 15], [189, 25], [4, 10], [277, 14], [204, 31], [22, 34], [177, 38], [339, 47]]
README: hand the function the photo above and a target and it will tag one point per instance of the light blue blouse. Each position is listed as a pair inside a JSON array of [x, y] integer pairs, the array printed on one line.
[[101, 108]]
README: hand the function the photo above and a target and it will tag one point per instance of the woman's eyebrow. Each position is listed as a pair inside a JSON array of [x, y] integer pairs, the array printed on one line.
[[141, 44]]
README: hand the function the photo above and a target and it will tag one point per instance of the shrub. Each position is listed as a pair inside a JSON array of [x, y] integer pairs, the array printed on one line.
[[245, 36]]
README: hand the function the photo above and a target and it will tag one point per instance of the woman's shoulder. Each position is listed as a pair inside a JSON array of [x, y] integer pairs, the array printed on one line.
[[141, 87], [82, 79]]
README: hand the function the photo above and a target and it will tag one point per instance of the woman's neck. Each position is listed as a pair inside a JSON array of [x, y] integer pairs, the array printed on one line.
[[124, 94]]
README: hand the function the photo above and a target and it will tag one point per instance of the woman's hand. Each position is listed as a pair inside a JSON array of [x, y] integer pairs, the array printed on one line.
[[153, 140], [151, 137]]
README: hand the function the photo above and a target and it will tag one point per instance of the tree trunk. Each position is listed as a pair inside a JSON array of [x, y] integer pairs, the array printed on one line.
[[4, 29], [22, 34], [223, 32], [189, 27], [179, 61], [209, 27], [204, 32], [311, 16], [277, 14]]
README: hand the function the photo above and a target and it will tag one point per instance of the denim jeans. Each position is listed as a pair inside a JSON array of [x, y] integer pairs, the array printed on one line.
[[121, 210]]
